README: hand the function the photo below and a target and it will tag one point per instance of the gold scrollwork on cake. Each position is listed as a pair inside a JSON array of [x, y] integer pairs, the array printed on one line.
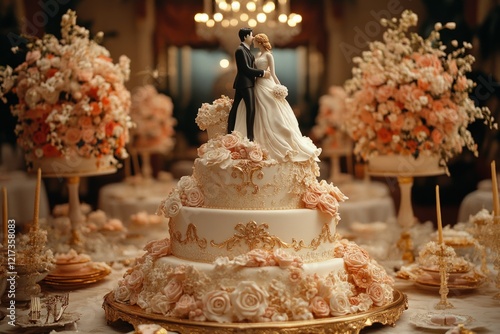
[[256, 236], [247, 171], [191, 237]]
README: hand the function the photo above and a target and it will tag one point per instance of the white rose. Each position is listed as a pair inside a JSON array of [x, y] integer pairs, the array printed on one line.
[[283, 258], [249, 301], [339, 304], [170, 206], [186, 183], [217, 306], [160, 304], [122, 293], [218, 156]]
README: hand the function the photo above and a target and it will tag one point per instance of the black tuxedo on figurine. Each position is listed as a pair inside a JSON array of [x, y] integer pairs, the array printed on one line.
[[243, 85]]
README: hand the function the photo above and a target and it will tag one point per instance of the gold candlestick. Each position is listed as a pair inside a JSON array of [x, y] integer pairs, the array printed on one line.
[[496, 208], [5, 219], [36, 212], [443, 261]]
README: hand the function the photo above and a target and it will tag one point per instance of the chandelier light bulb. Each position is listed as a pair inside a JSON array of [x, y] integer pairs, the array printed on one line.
[[235, 6], [283, 18], [268, 7], [251, 6], [252, 23], [225, 23], [210, 23], [233, 22], [261, 17], [218, 17], [223, 5], [244, 17]]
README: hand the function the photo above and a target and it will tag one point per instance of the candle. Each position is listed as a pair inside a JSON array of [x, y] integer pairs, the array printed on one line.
[[37, 198], [496, 209], [439, 223], [5, 208]]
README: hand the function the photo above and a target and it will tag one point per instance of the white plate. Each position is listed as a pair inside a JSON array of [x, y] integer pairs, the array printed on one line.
[[424, 320]]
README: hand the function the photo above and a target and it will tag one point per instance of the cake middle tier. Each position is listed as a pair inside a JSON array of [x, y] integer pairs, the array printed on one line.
[[203, 234]]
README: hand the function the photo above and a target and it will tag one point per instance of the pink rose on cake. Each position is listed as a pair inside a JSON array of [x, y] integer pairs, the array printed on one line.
[[323, 196], [217, 306], [173, 290], [158, 248], [380, 293], [408, 96], [319, 307], [184, 306], [249, 301], [122, 293]]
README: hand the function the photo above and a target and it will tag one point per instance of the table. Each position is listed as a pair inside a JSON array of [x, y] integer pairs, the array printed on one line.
[[21, 196], [479, 199], [368, 202], [122, 200], [479, 304]]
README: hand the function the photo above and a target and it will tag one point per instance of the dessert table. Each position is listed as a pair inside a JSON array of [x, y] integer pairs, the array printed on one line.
[[122, 200], [369, 201], [478, 304], [481, 198]]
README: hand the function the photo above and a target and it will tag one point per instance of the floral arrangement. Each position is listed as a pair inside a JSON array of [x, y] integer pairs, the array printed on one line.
[[215, 113], [186, 293], [187, 193], [408, 96], [152, 114], [72, 98], [331, 113], [280, 92]]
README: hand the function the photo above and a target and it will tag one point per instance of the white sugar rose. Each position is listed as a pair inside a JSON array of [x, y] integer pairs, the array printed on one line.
[[160, 304], [173, 290], [217, 306], [134, 280], [186, 183], [218, 156], [158, 248], [122, 293], [255, 155], [249, 301], [194, 197], [171, 206], [283, 258], [339, 304]]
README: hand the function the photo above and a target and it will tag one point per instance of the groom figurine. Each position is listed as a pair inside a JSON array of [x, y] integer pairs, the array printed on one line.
[[244, 81]]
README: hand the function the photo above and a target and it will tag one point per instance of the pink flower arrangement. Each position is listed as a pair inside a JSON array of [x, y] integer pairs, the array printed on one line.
[[72, 98], [330, 120], [152, 114], [408, 96]]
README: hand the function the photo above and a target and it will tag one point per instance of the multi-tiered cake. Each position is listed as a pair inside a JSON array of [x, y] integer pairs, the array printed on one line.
[[253, 240]]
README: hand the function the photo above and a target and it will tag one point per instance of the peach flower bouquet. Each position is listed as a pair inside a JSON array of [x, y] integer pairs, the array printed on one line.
[[409, 96], [72, 101]]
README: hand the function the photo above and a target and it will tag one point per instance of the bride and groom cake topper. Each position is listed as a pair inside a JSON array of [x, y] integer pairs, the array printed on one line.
[[262, 117]]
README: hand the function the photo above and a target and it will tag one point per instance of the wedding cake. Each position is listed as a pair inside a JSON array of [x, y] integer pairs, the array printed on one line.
[[252, 240]]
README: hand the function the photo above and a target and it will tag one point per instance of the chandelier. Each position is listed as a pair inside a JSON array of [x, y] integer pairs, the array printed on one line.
[[221, 20]]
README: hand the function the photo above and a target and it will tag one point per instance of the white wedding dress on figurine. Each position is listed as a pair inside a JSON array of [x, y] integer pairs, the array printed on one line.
[[275, 126]]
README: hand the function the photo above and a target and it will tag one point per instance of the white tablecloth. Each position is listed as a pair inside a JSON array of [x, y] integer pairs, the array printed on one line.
[[482, 198], [368, 202], [121, 200], [21, 196]]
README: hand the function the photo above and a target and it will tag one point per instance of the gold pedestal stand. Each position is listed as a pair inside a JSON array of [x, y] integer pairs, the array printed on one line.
[[349, 324]]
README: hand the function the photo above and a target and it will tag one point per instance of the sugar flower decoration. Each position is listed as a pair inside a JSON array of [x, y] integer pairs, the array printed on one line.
[[72, 100], [409, 96]]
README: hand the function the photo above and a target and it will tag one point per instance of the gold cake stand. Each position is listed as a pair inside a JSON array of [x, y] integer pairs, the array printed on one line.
[[353, 323]]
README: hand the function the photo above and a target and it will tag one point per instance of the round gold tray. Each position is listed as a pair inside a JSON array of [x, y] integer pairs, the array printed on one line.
[[353, 323]]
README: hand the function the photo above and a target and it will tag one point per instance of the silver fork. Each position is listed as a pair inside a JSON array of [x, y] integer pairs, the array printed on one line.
[[35, 309], [64, 305]]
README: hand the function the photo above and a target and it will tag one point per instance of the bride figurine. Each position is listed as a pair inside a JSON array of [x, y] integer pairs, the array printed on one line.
[[275, 126]]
